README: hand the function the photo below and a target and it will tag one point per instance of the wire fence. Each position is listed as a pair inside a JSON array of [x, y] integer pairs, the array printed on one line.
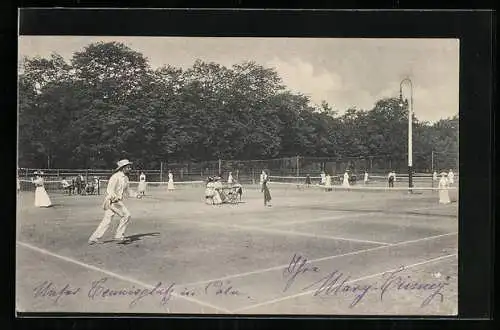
[[248, 171]]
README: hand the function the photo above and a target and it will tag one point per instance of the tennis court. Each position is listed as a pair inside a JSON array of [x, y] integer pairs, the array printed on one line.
[[312, 252]]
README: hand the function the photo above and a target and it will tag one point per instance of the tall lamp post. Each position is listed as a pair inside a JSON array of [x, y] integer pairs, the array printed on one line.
[[410, 135]]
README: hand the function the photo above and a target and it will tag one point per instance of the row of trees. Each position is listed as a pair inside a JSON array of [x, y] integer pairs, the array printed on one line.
[[107, 103]]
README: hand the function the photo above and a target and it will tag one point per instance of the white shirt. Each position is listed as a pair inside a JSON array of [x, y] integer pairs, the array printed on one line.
[[328, 180], [65, 183], [170, 177], [230, 179], [366, 176], [38, 181], [323, 177], [346, 176], [443, 183], [117, 184], [142, 177], [434, 176], [451, 175]]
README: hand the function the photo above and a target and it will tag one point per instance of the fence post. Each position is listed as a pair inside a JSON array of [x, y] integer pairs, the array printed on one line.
[[298, 170], [220, 167], [161, 171], [432, 167]]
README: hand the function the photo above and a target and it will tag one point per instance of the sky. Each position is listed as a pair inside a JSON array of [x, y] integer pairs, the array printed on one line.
[[344, 72]]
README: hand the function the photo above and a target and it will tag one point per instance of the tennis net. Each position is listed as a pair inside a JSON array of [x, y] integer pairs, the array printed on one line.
[[96, 187]]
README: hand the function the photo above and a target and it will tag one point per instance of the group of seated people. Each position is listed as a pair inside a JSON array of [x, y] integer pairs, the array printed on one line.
[[217, 193], [81, 187]]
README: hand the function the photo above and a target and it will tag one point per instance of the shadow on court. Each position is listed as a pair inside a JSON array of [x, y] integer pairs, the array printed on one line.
[[138, 237]]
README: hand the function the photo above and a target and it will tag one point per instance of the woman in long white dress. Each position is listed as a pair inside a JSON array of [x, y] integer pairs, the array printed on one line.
[[141, 188], [210, 192], [345, 182], [230, 178], [444, 196], [451, 177], [434, 176], [217, 186], [328, 182], [366, 177], [170, 185], [41, 197]]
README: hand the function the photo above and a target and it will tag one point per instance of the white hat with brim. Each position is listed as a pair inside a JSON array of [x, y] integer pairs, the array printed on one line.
[[122, 163], [443, 174]]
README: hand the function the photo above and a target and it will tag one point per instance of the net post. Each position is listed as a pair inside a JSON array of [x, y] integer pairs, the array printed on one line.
[[432, 167], [410, 178], [161, 171], [298, 170]]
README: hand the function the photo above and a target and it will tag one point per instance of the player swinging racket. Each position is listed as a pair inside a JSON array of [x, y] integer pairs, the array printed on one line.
[[118, 185]]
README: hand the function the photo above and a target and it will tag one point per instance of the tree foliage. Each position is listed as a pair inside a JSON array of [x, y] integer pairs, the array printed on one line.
[[107, 103]]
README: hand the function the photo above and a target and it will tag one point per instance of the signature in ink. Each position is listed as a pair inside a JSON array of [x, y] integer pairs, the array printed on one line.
[[102, 289], [298, 265], [48, 289], [337, 283], [99, 289], [395, 280]]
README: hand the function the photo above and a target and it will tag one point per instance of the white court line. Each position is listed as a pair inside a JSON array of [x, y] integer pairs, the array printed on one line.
[[281, 267], [269, 302], [278, 231], [342, 216], [361, 188], [115, 275], [354, 214], [295, 233]]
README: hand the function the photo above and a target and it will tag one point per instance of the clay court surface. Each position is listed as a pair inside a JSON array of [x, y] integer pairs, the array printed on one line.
[[197, 258]]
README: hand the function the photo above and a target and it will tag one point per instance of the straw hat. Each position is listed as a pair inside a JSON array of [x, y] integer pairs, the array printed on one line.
[[122, 163]]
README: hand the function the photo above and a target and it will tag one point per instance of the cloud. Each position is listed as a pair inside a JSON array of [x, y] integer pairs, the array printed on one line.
[[302, 77]]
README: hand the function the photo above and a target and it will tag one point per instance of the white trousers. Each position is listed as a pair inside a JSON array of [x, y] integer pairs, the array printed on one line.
[[119, 209]]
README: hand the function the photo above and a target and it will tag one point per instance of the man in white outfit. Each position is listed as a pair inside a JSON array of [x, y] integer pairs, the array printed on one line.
[[263, 177], [451, 177], [118, 185]]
